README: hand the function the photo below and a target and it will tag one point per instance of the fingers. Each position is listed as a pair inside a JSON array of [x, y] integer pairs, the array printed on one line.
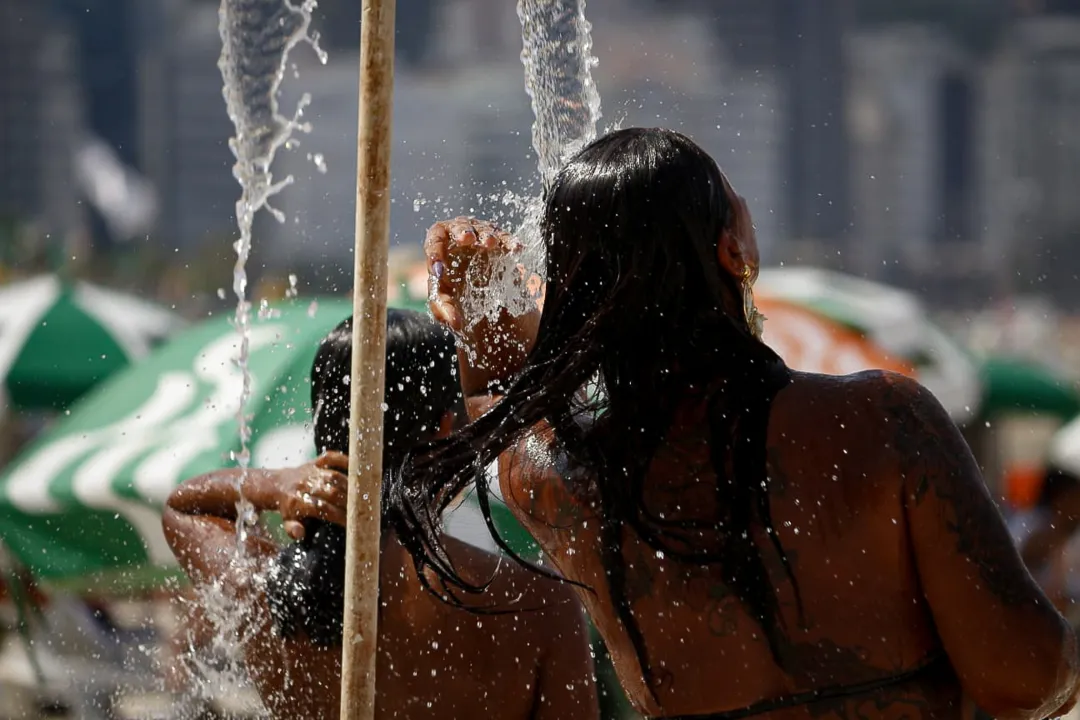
[[442, 240], [309, 507], [451, 246], [436, 243], [333, 460], [322, 494], [294, 529], [460, 234]]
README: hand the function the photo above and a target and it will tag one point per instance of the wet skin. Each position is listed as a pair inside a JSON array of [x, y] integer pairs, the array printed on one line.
[[897, 548], [434, 660]]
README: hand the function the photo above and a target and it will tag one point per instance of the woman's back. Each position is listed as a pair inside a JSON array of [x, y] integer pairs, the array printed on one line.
[[740, 550], [440, 661], [843, 494]]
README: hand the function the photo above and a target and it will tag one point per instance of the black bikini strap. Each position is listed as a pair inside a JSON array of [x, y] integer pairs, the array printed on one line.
[[812, 696]]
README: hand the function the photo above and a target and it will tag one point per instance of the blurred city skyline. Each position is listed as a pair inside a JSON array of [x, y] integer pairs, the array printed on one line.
[[925, 143]]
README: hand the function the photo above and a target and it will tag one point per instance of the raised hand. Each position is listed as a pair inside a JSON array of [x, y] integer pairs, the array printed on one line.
[[317, 490], [462, 255]]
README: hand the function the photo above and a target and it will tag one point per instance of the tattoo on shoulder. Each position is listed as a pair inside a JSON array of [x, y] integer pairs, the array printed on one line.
[[937, 461]]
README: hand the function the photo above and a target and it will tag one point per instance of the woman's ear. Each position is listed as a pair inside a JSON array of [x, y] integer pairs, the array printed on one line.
[[737, 249], [729, 253]]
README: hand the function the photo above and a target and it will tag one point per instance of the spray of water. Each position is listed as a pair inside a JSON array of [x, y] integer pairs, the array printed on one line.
[[256, 37], [558, 60]]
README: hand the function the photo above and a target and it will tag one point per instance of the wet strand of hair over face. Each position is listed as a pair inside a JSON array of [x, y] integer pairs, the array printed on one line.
[[631, 228]]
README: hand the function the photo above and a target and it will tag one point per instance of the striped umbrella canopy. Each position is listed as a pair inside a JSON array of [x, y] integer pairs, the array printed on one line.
[[894, 320], [87, 496], [58, 340], [82, 506]]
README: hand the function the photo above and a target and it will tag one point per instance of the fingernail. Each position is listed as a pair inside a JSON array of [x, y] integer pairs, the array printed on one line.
[[438, 268]]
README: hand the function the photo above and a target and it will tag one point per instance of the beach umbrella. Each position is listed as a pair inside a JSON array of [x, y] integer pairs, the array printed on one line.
[[894, 320], [1014, 385], [58, 339], [82, 506], [812, 342], [86, 498]]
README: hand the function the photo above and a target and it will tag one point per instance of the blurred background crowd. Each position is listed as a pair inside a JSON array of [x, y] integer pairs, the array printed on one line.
[[927, 146]]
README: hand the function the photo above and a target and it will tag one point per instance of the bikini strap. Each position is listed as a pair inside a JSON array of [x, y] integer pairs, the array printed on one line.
[[808, 697]]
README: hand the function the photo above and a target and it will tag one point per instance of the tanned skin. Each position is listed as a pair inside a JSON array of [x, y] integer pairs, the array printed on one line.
[[434, 660], [899, 552]]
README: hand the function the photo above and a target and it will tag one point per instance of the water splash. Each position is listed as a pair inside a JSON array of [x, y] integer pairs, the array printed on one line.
[[558, 60], [256, 37], [216, 661]]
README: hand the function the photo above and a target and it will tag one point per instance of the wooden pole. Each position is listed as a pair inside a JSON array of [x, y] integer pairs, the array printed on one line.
[[368, 360]]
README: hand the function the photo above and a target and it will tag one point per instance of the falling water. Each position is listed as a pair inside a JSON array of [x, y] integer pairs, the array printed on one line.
[[557, 55], [256, 37], [558, 60]]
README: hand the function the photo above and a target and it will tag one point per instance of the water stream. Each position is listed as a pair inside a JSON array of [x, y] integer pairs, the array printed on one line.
[[557, 57], [256, 38]]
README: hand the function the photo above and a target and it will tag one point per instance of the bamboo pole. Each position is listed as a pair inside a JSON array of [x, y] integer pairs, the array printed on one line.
[[368, 360]]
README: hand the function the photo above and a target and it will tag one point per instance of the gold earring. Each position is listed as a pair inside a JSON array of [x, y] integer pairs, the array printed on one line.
[[754, 319]]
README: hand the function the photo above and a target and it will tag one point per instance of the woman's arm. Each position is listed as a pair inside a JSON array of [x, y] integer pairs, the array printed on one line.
[[1014, 654], [295, 678], [567, 686], [217, 493], [315, 490]]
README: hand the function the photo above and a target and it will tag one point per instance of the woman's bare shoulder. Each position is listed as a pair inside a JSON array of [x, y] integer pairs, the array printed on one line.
[[516, 602], [510, 583], [862, 414], [873, 396], [871, 383]]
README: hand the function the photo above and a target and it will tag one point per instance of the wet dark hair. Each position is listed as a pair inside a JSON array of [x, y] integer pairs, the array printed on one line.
[[635, 302], [306, 585]]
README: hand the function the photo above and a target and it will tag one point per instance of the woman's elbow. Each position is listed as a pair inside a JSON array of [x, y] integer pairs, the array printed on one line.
[[1041, 685]]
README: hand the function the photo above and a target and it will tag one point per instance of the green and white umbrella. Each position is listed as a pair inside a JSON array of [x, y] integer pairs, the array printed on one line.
[[58, 340], [85, 501], [893, 319], [87, 497]]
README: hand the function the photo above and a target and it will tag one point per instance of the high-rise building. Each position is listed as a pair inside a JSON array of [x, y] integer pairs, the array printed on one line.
[[1032, 161], [106, 66], [811, 53], [801, 43], [40, 116], [914, 172], [22, 31], [185, 130]]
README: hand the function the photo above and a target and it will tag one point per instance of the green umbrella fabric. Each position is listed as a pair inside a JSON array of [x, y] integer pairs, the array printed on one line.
[[83, 505], [58, 340], [87, 497], [1012, 385]]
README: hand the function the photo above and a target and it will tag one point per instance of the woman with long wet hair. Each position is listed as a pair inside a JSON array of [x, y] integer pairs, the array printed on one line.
[[434, 660], [749, 540]]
